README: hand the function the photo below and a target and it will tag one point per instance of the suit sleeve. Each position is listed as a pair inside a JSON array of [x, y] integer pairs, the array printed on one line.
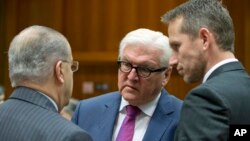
[[204, 116]]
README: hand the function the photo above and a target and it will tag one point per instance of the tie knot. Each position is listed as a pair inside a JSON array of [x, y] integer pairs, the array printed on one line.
[[132, 111]]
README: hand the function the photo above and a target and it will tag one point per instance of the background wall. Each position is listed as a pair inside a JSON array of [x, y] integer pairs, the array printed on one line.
[[94, 29]]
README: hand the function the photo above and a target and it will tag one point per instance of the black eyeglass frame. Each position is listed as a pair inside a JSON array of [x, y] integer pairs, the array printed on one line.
[[147, 70]]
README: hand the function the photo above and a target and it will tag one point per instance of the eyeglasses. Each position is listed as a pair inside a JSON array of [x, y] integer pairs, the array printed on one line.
[[74, 65], [141, 71]]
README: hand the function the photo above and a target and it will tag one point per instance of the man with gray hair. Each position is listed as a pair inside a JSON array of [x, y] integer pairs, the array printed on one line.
[[41, 72], [201, 35], [142, 110]]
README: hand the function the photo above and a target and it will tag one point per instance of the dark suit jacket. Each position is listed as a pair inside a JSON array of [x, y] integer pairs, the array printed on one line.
[[210, 108], [98, 116], [29, 116]]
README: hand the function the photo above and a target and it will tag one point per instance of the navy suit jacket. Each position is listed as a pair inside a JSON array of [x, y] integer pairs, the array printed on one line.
[[29, 116], [210, 109], [98, 116]]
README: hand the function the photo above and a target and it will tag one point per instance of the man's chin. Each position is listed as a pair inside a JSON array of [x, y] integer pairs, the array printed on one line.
[[129, 96], [189, 80]]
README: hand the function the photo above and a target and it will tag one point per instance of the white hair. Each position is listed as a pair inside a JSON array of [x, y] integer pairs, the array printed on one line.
[[148, 38]]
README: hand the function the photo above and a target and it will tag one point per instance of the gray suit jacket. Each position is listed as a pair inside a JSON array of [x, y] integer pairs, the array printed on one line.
[[98, 116], [210, 109], [29, 116]]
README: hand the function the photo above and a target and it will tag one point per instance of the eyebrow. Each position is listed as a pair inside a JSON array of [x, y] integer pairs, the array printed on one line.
[[174, 44], [147, 64]]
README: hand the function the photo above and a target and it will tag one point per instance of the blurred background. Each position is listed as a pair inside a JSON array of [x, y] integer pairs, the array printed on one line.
[[94, 29]]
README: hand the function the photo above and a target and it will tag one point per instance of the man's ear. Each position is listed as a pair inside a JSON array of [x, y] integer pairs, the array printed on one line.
[[59, 72], [167, 76], [205, 35]]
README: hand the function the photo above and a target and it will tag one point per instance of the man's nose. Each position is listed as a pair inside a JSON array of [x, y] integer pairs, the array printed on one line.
[[133, 74], [173, 60]]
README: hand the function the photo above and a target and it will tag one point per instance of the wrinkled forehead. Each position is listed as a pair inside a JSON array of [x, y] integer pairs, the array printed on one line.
[[139, 53]]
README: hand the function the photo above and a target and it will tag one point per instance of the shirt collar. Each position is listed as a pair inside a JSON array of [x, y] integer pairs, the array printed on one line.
[[147, 108], [50, 99], [217, 66]]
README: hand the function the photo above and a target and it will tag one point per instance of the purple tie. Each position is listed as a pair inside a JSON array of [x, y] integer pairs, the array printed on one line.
[[126, 132]]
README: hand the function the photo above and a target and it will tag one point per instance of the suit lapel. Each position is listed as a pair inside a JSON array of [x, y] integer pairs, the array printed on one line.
[[160, 117], [110, 112]]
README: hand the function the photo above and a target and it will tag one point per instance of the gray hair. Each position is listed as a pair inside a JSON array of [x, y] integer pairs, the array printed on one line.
[[147, 37], [210, 14], [33, 53]]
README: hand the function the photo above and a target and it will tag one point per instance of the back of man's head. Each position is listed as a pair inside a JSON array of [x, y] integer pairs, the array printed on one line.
[[33, 53]]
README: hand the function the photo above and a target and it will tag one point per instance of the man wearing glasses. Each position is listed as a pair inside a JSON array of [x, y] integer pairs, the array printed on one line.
[[142, 109], [41, 72]]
